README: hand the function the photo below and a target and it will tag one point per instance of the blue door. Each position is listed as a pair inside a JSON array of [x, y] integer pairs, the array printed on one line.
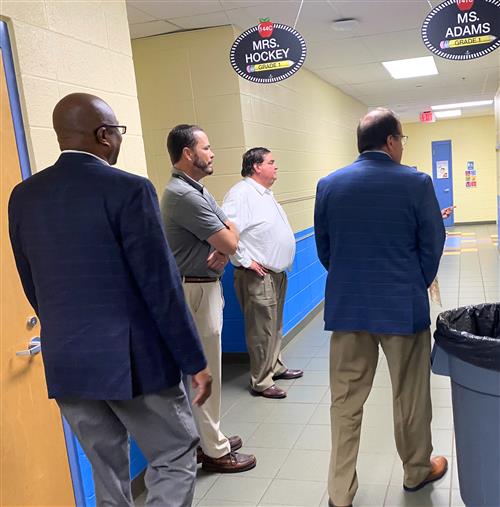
[[442, 176]]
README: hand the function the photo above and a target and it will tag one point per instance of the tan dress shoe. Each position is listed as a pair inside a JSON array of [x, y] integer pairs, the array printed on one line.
[[235, 442], [273, 392], [231, 463], [439, 466]]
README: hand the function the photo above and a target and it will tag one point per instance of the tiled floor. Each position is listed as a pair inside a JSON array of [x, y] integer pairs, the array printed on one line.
[[291, 437]]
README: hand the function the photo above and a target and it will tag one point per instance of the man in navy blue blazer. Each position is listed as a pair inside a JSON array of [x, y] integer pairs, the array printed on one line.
[[380, 235], [116, 333]]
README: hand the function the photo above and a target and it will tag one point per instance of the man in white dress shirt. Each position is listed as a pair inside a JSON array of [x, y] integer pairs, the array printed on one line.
[[266, 250]]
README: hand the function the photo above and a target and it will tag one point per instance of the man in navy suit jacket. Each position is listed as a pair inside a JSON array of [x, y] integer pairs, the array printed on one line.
[[116, 333], [380, 235]]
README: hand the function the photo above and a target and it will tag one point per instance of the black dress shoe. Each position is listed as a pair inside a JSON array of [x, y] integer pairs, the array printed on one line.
[[289, 375]]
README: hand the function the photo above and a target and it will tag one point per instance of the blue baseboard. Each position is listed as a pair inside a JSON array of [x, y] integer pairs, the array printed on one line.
[[306, 289]]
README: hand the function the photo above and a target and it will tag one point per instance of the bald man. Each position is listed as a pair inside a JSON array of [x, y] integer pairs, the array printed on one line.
[[380, 235], [116, 333]]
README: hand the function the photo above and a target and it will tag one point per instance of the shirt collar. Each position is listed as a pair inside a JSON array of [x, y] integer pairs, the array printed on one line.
[[260, 188], [84, 153], [177, 173], [377, 151]]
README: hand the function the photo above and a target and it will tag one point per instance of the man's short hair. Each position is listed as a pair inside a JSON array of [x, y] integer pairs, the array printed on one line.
[[251, 157], [180, 137], [374, 129]]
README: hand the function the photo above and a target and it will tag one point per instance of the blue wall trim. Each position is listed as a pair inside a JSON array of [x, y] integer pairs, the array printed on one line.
[[15, 107], [498, 218], [306, 289]]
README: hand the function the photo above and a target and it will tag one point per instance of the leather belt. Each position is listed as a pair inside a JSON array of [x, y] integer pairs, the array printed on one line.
[[200, 279]]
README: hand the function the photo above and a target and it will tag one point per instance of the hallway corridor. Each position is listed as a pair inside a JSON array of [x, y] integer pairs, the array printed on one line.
[[291, 437]]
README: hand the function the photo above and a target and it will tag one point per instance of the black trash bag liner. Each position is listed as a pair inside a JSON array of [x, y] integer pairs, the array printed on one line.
[[471, 333]]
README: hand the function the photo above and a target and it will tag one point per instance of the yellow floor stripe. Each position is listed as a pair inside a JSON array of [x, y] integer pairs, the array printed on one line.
[[452, 253], [469, 249], [454, 233], [469, 234]]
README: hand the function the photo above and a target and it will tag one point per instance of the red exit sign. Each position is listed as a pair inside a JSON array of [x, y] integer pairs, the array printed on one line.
[[427, 117]]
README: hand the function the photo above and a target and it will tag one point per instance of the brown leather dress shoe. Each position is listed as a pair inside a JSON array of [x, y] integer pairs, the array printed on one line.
[[273, 392], [439, 466], [231, 463], [289, 375], [235, 442]]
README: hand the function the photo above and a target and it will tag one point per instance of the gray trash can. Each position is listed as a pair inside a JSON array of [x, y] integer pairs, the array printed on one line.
[[476, 406]]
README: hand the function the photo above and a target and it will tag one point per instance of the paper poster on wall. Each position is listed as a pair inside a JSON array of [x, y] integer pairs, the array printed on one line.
[[470, 175], [442, 169]]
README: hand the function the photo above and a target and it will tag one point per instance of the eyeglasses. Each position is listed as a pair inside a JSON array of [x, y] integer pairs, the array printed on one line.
[[404, 139], [121, 128]]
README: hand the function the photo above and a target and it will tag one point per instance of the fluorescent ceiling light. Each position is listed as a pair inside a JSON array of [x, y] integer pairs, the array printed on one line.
[[411, 67], [462, 104], [452, 113]]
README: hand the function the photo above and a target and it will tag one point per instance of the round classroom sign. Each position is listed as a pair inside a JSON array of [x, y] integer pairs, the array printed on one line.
[[268, 52], [463, 29]]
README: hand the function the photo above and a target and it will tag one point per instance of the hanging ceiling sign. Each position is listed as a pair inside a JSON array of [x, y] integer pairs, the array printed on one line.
[[268, 52], [463, 29]]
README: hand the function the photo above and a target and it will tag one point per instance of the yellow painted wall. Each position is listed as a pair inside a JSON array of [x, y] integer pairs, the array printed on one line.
[[62, 47], [308, 124], [471, 139]]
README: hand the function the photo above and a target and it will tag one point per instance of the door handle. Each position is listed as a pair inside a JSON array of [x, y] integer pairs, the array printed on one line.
[[34, 347]]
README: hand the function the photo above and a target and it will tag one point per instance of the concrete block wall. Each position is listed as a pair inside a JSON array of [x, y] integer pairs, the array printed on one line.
[[64, 47]]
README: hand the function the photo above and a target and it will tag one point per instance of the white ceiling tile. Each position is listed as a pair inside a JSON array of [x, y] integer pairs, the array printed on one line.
[[168, 9], [137, 16], [202, 20], [152, 28], [396, 45], [283, 12], [363, 73], [351, 61], [340, 54], [381, 16]]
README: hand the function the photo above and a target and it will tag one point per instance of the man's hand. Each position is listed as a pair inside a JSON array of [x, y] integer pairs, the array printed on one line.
[[260, 270], [446, 212], [217, 261], [202, 382]]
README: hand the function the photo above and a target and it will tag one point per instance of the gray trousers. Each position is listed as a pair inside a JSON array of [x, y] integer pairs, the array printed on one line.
[[262, 301], [163, 427]]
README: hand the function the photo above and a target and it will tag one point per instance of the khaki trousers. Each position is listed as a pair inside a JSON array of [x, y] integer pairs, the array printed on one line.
[[262, 301], [353, 361], [206, 304]]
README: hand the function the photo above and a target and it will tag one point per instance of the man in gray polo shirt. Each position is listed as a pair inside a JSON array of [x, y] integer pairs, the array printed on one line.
[[201, 238]]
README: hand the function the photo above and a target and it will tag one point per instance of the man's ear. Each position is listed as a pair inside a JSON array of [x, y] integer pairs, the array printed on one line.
[[102, 136], [187, 153], [256, 168]]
